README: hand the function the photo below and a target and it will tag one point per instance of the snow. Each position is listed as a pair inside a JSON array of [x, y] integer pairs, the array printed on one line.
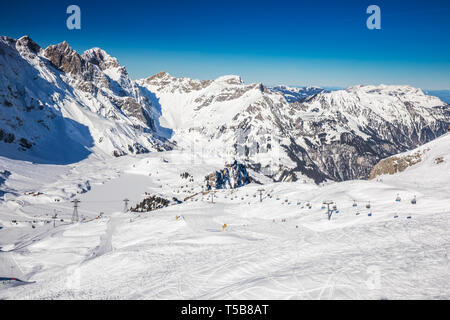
[[155, 256], [280, 248]]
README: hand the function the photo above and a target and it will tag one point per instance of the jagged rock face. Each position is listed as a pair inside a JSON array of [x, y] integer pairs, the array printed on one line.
[[100, 58], [28, 43], [233, 176], [63, 57], [336, 135], [58, 106], [152, 203], [99, 74]]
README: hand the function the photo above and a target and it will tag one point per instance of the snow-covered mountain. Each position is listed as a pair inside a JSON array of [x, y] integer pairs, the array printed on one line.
[[58, 106], [337, 135]]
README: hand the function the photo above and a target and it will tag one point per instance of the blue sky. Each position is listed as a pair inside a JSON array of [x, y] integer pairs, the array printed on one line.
[[276, 42]]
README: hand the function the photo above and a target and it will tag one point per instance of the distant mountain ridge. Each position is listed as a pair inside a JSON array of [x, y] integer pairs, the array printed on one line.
[[288, 135], [292, 94]]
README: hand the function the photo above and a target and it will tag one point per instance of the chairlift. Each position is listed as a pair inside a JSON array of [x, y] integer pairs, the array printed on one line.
[[414, 201], [398, 199], [355, 204], [368, 206]]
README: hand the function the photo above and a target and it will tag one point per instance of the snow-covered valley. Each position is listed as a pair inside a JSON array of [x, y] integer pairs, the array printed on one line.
[[282, 248]]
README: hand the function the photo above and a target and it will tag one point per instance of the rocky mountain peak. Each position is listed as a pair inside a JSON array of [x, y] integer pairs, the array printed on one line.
[[100, 58], [27, 42], [64, 58], [160, 75]]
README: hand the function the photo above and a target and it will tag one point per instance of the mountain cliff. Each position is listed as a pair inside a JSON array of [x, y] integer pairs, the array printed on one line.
[[58, 106]]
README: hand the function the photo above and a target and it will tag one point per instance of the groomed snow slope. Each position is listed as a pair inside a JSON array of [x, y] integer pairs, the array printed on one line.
[[276, 249]]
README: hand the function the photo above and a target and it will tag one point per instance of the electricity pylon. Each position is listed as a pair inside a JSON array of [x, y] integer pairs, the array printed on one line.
[[260, 194], [75, 217]]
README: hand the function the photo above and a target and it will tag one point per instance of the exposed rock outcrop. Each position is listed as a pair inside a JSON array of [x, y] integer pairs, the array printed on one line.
[[396, 164], [233, 176]]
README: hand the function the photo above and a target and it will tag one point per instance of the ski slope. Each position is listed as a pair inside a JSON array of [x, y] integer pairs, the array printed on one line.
[[279, 248]]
